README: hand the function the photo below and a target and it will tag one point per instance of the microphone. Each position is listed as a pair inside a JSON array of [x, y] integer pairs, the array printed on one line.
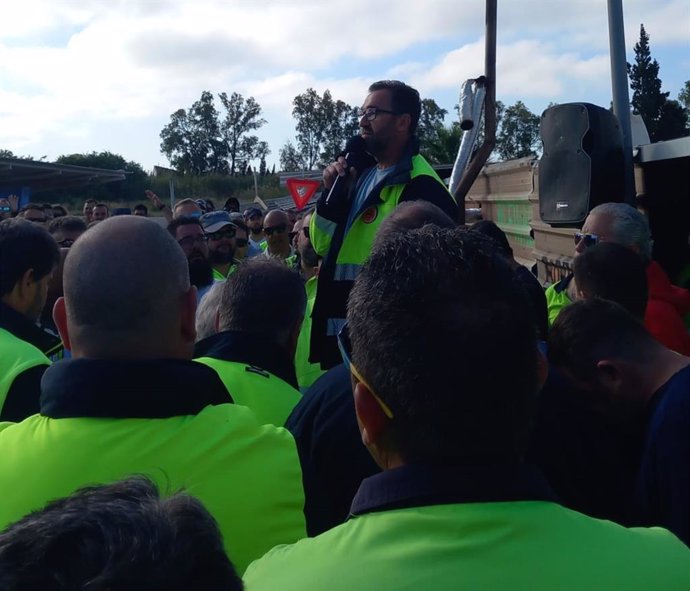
[[356, 156]]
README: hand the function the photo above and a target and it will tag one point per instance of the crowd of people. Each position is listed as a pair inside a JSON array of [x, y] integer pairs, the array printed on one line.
[[364, 396]]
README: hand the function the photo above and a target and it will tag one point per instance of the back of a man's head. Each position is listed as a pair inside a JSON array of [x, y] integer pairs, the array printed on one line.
[[490, 228], [126, 281], [24, 246], [592, 330], [443, 332], [263, 297], [628, 227], [117, 537], [410, 215], [613, 272]]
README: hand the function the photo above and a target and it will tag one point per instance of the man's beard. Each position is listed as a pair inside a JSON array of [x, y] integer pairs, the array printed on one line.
[[309, 256], [220, 257], [256, 231], [200, 272]]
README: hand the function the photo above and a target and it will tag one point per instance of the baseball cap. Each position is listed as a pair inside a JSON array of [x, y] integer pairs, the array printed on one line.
[[252, 211], [215, 220]]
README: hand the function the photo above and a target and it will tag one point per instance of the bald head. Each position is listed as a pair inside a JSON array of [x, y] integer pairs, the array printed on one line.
[[275, 218], [125, 282]]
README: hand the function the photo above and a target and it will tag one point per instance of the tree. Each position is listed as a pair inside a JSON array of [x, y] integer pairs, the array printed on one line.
[[192, 141], [132, 188], [242, 116], [341, 124], [311, 125], [673, 121], [518, 135], [443, 148], [684, 96], [647, 99], [323, 126], [197, 141], [430, 124], [290, 158]]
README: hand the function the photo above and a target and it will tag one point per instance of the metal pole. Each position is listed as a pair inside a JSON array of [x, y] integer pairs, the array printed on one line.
[[487, 147], [619, 87]]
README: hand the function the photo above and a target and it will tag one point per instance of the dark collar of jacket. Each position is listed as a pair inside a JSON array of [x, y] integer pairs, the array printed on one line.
[[22, 328], [419, 486], [115, 388], [250, 349]]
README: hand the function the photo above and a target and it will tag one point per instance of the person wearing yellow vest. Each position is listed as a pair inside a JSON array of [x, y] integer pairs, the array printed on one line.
[[220, 232], [28, 256], [132, 401], [343, 229], [259, 319], [309, 261], [432, 315]]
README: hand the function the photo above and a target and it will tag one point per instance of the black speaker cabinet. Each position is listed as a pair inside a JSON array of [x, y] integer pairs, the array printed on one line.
[[582, 162]]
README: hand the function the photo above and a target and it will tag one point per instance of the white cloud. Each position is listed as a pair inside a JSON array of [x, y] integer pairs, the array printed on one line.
[[76, 72]]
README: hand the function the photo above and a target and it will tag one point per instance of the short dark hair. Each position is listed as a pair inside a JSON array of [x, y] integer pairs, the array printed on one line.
[[490, 229], [141, 206], [587, 331], [117, 536], [263, 297], [404, 99], [90, 200], [60, 208], [613, 272], [67, 223], [100, 204], [32, 206], [431, 316], [23, 246], [182, 221], [410, 215]]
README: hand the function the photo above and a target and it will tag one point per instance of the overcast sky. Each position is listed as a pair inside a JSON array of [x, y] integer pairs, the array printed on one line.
[[79, 76]]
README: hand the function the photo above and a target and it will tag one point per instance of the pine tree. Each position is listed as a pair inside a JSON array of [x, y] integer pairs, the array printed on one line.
[[647, 99]]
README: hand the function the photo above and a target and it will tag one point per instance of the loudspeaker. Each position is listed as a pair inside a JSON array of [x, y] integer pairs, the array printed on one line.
[[582, 163]]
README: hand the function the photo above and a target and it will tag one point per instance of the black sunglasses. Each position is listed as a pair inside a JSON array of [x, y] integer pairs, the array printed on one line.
[[279, 229], [305, 231], [220, 234]]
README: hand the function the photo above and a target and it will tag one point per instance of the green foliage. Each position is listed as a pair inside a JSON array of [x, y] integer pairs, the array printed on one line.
[[290, 158], [684, 96], [430, 125], [197, 141], [443, 147], [518, 135], [134, 183], [664, 119], [323, 126]]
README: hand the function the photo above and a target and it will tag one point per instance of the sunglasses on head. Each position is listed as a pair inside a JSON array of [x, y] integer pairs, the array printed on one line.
[[280, 229], [587, 239], [345, 347]]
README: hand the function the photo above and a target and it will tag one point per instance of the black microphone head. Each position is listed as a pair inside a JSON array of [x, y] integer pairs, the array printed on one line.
[[355, 145]]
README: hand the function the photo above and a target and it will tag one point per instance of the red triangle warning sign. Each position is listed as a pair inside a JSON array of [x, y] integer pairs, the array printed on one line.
[[302, 190]]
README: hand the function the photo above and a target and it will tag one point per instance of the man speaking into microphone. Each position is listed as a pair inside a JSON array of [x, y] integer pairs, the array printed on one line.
[[379, 169]]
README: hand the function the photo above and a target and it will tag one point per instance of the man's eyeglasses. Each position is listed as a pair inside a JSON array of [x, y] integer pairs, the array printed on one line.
[[371, 113], [190, 241], [587, 239], [220, 234], [241, 242], [345, 347], [280, 229], [66, 243]]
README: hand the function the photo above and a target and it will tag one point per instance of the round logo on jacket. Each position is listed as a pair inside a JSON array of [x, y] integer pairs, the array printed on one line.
[[370, 214]]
